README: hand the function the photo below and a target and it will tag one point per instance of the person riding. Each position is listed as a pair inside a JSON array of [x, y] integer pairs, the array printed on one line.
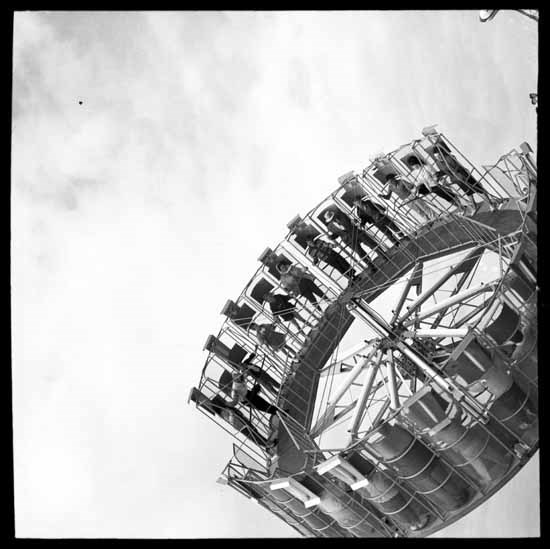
[[220, 407], [268, 335], [458, 175], [340, 226], [234, 385], [405, 191], [248, 367], [369, 212], [297, 281], [304, 232], [320, 250], [282, 307], [426, 182]]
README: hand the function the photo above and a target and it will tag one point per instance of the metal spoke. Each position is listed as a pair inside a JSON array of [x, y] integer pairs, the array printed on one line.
[[364, 395], [439, 332], [412, 281], [466, 263], [469, 274], [392, 384], [446, 303], [350, 353], [467, 318], [343, 388]]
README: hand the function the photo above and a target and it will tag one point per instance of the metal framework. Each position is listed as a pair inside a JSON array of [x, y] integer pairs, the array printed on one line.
[[435, 407]]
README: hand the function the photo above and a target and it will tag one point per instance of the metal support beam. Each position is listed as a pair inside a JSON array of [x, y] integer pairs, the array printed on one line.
[[469, 316], [446, 384], [371, 317], [349, 353], [487, 316], [415, 274], [341, 391], [352, 376], [380, 413], [440, 332], [363, 397], [531, 166], [459, 285], [392, 384], [430, 291], [446, 303]]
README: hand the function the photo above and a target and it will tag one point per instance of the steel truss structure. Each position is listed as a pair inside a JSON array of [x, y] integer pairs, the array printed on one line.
[[435, 406]]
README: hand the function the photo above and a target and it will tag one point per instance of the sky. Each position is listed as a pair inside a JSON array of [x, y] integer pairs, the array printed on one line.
[[155, 155]]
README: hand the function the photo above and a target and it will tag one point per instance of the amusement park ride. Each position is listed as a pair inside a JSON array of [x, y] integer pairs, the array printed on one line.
[[429, 265]]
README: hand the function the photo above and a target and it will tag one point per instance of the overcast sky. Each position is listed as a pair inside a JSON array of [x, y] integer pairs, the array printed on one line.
[[137, 213]]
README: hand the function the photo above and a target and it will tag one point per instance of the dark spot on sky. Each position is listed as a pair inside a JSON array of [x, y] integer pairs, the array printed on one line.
[[80, 102]]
